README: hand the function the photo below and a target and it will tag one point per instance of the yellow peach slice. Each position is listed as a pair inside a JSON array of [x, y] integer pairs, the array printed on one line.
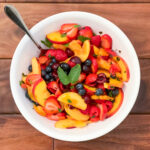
[[69, 123], [29, 89], [59, 46], [76, 114], [102, 97], [73, 99], [39, 110], [40, 92], [103, 63], [36, 68]]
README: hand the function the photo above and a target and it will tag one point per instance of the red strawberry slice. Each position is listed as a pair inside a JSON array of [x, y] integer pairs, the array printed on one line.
[[86, 32], [110, 51], [96, 40], [106, 41], [67, 27], [59, 54], [72, 34]]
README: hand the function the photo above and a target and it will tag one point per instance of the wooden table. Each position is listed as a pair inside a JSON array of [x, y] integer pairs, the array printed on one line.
[[133, 17]]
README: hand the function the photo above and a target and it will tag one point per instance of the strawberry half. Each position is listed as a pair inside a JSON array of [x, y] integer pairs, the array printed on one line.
[[106, 41], [67, 27], [96, 40], [86, 32]]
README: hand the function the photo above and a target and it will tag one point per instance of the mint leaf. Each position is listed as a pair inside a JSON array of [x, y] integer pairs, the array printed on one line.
[[63, 35], [59, 110], [21, 82], [69, 101], [74, 73], [46, 42], [71, 87], [63, 76], [82, 38], [66, 44], [76, 26]]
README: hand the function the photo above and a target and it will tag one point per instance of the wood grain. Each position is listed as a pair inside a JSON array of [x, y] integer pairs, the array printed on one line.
[[123, 15], [132, 134], [82, 1], [7, 103], [17, 134]]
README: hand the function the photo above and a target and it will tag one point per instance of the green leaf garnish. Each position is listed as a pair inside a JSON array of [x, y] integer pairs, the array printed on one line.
[[63, 35], [72, 87], [63, 76], [21, 82], [59, 110], [93, 116], [77, 26], [74, 73], [24, 75], [118, 59], [66, 44], [69, 101], [82, 38], [94, 55], [110, 94], [46, 43]]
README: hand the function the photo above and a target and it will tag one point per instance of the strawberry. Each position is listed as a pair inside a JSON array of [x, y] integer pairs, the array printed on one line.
[[96, 40], [110, 51], [59, 54], [43, 59], [94, 111], [87, 111], [56, 117], [94, 65], [106, 41], [86, 32], [91, 78], [72, 34], [67, 27], [51, 106]]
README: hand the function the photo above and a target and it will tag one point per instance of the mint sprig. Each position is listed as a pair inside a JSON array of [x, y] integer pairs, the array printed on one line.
[[77, 26], [83, 38], [46, 42], [72, 77], [74, 73]]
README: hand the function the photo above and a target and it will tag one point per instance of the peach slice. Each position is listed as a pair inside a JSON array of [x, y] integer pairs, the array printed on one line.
[[102, 97], [36, 68], [69, 123], [32, 78], [76, 114], [90, 90], [96, 50], [107, 74], [29, 89], [103, 63], [39, 110], [102, 52], [73, 99], [115, 83], [81, 52], [124, 68], [40, 91], [56, 37], [59, 46], [116, 104]]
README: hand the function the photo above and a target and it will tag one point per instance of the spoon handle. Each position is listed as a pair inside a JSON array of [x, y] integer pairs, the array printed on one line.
[[14, 15]]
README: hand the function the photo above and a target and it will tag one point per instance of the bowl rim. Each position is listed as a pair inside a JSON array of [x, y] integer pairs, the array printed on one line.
[[67, 138]]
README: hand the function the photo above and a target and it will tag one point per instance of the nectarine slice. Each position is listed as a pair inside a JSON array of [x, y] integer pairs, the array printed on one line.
[[116, 104], [69, 123], [40, 91], [59, 46], [115, 83], [29, 89], [36, 68], [103, 64], [39, 110], [124, 68], [73, 99], [81, 52], [56, 37], [102, 97], [76, 114]]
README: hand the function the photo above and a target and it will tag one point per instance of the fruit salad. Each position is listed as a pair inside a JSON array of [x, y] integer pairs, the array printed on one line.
[[78, 79]]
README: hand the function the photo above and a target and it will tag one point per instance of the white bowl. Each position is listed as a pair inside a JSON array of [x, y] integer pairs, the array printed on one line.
[[26, 50]]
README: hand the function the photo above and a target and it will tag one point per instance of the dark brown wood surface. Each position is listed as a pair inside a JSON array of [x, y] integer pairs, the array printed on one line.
[[123, 15], [133, 17]]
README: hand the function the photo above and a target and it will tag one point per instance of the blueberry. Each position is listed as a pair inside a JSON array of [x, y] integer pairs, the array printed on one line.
[[79, 86], [51, 63], [51, 75], [47, 77], [65, 67], [99, 91], [43, 73], [53, 60], [88, 62], [48, 69], [82, 92], [86, 69], [115, 92], [30, 68]]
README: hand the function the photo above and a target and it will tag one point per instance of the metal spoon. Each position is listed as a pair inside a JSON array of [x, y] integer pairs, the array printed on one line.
[[15, 16]]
